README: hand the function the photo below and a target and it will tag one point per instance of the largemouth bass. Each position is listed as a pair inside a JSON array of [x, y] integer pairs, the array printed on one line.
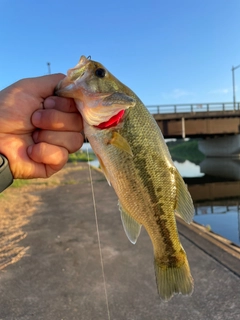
[[136, 162]]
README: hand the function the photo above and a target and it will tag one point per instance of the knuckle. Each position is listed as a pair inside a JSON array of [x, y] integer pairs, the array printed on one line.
[[63, 104], [76, 142], [77, 118], [52, 119]]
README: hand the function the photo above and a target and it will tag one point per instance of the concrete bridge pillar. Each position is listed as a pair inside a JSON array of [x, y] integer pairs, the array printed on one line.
[[226, 146]]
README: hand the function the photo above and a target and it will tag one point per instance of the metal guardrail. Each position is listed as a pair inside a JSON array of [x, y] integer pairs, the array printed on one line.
[[193, 107]]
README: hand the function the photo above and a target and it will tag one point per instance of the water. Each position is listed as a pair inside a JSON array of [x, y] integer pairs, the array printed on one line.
[[223, 222], [188, 169], [215, 189]]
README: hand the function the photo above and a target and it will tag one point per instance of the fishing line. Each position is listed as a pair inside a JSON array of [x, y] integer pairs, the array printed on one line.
[[98, 235]]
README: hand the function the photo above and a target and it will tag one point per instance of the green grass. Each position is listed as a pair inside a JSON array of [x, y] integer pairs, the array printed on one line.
[[181, 150], [17, 183], [81, 156]]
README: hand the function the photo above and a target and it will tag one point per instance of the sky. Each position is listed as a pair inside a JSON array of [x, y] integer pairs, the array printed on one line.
[[167, 52]]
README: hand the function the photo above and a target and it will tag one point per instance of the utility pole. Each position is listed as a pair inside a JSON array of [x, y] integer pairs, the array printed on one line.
[[49, 67], [233, 81]]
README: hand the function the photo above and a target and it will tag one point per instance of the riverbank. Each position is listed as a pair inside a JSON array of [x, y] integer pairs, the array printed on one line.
[[59, 274]]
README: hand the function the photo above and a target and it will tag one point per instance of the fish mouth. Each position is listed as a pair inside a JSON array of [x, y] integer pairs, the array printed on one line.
[[69, 86], [99, 102], [66, 88]]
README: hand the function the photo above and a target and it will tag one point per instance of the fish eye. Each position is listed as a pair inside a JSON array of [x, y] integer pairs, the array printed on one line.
[[100, 73]]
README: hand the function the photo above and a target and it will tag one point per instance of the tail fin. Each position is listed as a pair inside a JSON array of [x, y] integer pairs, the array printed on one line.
[[173, 280]]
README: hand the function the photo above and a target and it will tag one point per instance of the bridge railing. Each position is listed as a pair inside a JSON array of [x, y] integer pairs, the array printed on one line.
[[194, 107]]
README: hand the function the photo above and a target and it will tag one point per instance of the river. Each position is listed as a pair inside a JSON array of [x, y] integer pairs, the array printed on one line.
[[215, 189], [216, 195]]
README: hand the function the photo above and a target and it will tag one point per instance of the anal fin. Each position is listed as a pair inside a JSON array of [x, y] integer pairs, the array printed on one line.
[[131, 227]]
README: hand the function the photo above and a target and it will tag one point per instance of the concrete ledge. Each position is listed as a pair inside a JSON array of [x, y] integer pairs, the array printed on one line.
[[219, 248]]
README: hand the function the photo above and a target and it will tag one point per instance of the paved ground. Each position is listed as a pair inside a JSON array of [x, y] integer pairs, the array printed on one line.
[[61, 278]]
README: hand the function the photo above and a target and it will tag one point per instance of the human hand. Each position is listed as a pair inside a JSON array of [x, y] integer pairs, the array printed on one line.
[[37, 129]]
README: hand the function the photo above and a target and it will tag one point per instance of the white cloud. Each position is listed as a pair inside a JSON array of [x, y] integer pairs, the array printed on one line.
[[223, 90], [220, 91], [176, 94]]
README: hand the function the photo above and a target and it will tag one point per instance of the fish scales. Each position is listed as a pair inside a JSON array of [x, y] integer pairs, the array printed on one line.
[[137, 163], [153, 192]]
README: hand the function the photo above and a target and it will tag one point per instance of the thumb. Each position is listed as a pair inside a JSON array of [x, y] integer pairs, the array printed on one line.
[[44, 85]]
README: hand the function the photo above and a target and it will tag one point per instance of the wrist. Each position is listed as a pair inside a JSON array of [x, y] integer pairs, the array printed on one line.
[[6, 177]]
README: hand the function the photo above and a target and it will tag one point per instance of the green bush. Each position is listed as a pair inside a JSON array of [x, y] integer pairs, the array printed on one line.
[[81, 156], [185, 150]]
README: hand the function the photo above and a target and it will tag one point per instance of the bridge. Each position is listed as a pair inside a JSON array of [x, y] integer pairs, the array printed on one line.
[[197, 120]]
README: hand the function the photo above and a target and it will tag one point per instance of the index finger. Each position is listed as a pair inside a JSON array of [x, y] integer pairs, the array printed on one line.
[[60, 103]]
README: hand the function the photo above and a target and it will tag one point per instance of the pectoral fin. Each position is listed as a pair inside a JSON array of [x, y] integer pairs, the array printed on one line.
[[184, 204], [121, 143], [131, 227]]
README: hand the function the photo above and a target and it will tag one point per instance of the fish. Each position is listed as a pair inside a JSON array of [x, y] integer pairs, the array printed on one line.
[[136, 162]]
